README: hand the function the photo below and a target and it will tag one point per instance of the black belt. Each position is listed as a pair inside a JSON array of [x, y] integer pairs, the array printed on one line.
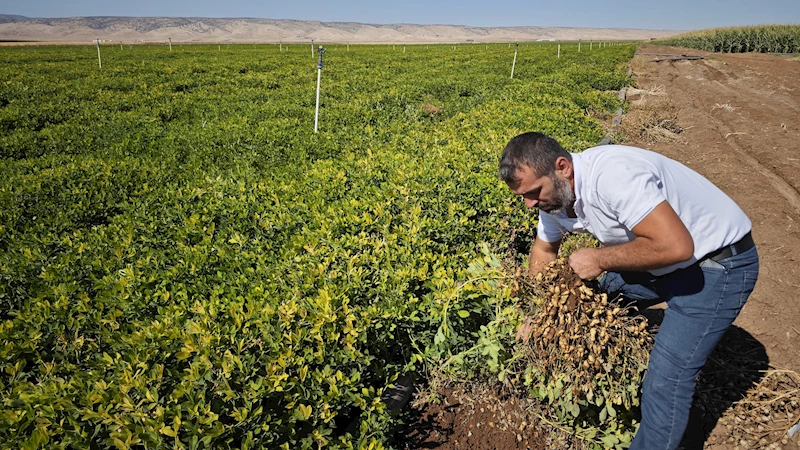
[[744, 244]]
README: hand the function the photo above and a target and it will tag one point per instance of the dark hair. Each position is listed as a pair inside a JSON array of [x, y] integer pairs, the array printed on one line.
[[531, 149]]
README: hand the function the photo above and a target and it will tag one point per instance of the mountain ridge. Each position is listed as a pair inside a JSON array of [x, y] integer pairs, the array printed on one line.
[[205, 29]]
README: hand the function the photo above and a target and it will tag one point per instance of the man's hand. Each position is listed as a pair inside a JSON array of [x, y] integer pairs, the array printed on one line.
[[542, 253], [584, 263]]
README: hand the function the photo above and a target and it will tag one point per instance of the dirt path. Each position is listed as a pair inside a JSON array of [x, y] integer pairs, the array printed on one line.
[[741, 120], [741, 116]]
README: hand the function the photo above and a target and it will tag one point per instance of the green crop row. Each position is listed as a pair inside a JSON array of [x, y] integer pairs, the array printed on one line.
[[760, 38], [184, 263]]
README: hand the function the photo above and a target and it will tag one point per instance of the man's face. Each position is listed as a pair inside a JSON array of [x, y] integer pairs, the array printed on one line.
[[551, 194]]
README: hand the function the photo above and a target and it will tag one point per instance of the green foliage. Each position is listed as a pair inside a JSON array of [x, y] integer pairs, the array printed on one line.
[[760, 38], [184, 264]]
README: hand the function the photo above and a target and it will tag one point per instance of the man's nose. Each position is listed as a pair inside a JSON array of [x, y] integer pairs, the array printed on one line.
[[530, 203]]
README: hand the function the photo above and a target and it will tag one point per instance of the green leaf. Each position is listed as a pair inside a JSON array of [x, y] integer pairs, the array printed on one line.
[[302, 412], [609, 441], [611, 411]]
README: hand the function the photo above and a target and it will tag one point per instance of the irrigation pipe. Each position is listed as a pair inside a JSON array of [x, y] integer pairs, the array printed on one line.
[[661, 54], [687, 58], [617, 116]]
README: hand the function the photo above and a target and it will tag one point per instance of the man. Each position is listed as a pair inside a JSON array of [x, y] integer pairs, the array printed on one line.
[[668, 234]]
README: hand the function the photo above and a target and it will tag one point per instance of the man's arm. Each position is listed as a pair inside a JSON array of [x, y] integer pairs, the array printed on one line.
[[661, 240], [542, 253]]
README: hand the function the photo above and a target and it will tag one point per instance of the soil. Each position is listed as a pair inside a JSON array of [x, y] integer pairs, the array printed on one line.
[[749, 149], [740, 120], [475, 420], [740, 115]]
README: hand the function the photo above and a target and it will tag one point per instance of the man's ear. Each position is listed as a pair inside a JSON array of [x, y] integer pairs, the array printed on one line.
[[564, 167]]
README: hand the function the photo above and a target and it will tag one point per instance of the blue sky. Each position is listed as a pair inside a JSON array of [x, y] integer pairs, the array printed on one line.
[[675, 14]]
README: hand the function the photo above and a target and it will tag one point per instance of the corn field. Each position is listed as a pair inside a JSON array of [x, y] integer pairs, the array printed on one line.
[[763, 39]]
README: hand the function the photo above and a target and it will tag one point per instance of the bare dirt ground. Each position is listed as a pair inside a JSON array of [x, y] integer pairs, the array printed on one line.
[[740, 121], [469, 420], [736, 120]]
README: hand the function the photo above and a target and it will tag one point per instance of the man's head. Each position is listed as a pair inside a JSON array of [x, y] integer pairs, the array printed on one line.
[[537, 168]]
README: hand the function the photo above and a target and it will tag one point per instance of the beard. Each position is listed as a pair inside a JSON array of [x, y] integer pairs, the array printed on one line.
[[563, 197]]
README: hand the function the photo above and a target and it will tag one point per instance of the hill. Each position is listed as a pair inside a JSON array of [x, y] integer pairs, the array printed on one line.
[[197, 29]]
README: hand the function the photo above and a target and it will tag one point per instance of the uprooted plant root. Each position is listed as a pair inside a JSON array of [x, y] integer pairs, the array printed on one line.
[[577, 330]]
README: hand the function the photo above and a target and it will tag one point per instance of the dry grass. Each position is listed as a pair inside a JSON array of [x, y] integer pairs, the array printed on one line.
[[644, 92], [640, 66], [430, 109], [767, 412], [724, 106], [651, 122], [640, 97]]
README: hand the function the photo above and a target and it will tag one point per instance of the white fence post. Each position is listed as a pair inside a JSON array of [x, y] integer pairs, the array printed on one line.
[[319, 77], [515, 60]]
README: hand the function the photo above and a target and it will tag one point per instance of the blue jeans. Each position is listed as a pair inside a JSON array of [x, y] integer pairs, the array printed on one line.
[[703, 299]]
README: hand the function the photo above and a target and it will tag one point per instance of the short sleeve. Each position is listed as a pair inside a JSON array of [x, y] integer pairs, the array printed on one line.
[[631, 191], [549, 229]]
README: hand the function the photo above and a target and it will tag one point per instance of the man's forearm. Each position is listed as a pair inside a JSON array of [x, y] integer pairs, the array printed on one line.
[[639, 254]]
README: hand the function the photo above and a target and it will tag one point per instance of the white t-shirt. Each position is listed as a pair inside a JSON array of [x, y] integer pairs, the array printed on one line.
[[616, 186]]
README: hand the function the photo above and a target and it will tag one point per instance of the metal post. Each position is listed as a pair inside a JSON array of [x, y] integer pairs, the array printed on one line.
[[579, 45], [559, 50], [170, 44], [312, 48], [515, 60], [319, 77], [99, 62]]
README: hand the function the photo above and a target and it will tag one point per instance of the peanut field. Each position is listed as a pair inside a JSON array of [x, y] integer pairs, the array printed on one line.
[[184, 263]]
